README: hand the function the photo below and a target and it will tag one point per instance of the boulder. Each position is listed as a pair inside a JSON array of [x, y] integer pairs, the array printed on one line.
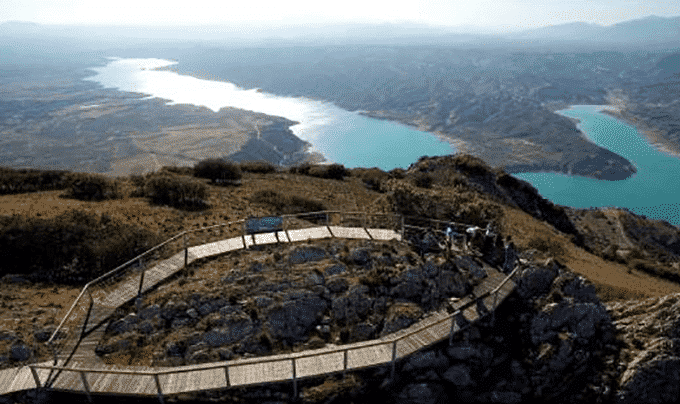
[[263, 301], [464, 350], [337, 285], [422, 361], [400, 315], [211, 306], [468, 264], [314, 279], [306, 254], [237, 327], [535, 282], [174, 349], [19, 353], [360, 332], [150, 312], [179, 323], [422, 393], [352, 307], [293, 320], [459, 376], [335, 270], [360, 256]]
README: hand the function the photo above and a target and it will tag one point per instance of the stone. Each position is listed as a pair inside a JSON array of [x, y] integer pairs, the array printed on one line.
[[150, 312], [7, 335], [237, 327], [307, 254], [463, 351], [362, 332], [337, 285], [20, 353], [292, 321], [119, 327], [335, 270], [263, 301], [314, 279], [179, 323], [421, 361], [458, 375], [174, 349], [535, 282], [211, 306], [44, 335], [422, 393], [199, 346], [399, 316], [360, 256], [146, 327], [225, 354], [505, 397], [192, 313]]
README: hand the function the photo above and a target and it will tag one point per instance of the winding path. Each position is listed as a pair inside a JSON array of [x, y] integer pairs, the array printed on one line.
[[77, 369]]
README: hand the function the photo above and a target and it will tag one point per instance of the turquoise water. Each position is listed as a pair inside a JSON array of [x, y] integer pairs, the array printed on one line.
[[654, 191], [341, 136]]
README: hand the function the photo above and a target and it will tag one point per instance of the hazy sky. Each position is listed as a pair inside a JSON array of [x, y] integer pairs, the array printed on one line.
[[518, 14]]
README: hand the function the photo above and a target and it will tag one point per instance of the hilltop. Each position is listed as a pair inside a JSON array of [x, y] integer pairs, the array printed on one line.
[[59, 229]]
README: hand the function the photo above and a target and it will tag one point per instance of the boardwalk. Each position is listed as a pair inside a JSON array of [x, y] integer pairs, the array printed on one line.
[[79, 369]]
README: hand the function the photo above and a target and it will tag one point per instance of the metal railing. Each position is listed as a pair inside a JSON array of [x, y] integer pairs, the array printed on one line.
[[351, 354], [347, 361]]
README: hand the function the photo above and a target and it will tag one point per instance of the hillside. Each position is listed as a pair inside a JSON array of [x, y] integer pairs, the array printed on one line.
[[623, 256]]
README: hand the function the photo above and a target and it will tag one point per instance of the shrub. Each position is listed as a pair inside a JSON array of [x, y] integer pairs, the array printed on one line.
[[398, 173], [93, 187], [285, 204], [24, 180], [422, 180], [373, 178], [175, 191], [261, 167], [547, 245], [217, 170], [71, 248], [178, 170], [331, 171]]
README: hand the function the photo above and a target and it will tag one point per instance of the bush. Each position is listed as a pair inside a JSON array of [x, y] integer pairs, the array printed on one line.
[[217, 170], [72, 248], [545, 245], [331, 171], [260, 167], [285, 204], [422, 180], [178, 170], [23, 180], [177, 192], [372, 177], [93, 187]]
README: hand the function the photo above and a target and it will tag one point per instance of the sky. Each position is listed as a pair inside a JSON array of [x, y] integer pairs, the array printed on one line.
[[499, 14]]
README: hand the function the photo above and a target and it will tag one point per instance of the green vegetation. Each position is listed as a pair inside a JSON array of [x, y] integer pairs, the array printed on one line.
[[260, 167], [218, 171], [285, 204], [94, 187], [71, 248], [331, 171], [20, 181], [176, 191]]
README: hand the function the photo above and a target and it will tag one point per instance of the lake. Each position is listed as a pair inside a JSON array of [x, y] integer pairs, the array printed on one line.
[[654, 191], [344, 137]]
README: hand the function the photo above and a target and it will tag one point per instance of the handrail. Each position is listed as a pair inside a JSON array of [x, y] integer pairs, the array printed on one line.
[[292, 356], [392, 339]]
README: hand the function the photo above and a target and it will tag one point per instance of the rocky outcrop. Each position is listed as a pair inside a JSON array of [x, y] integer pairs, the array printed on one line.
[[650, 330]]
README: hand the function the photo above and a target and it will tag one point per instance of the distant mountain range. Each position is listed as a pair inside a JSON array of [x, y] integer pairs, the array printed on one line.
[[652, 29]]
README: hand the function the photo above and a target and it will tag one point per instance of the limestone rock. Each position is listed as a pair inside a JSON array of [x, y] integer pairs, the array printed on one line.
[[293, 320]]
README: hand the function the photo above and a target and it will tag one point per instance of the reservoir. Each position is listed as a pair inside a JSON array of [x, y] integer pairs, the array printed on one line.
[[654, 191], [341, 136]]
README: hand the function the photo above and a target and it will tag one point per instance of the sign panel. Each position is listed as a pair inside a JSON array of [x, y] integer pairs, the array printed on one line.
[[265, 224]]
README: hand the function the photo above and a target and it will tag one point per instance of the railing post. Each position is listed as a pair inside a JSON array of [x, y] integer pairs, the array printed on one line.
[[36, 378], [453, 322], [226, 374], [141, 278], [344, 365], [186, 251], [158, 387], [86, 386], [394, 358], [295, 391]]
